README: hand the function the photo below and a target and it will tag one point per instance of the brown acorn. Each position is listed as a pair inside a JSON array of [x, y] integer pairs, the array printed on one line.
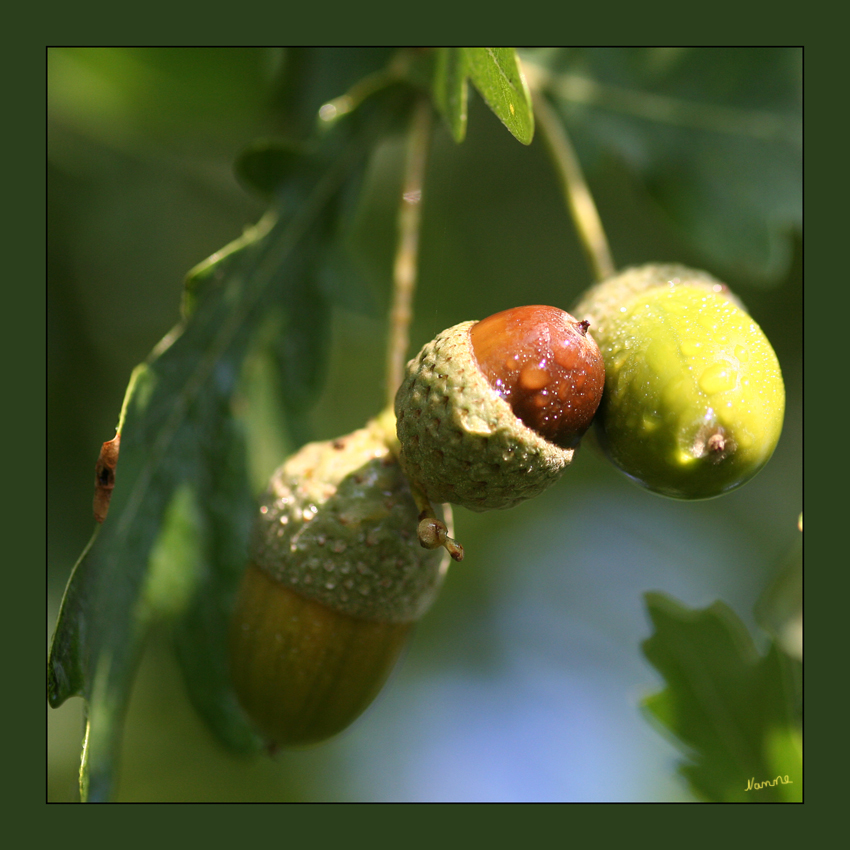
[[336, 580], [490, 413]]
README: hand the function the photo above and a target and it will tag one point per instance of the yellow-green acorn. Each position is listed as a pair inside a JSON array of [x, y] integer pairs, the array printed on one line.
[[489, 413], [694, 398], [336, 580]]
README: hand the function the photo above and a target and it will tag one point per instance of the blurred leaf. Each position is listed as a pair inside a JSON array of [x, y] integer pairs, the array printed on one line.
[[340, 282], [220, 536], [715, 135], [300, 353], [312, 76], [450, 90], [779, 611], [266, 164], [175, 542], [731, 709], [215, 269], [495, 72]]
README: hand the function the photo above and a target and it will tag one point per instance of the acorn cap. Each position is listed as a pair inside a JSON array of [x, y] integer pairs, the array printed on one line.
[[338, 524], [461, 442]]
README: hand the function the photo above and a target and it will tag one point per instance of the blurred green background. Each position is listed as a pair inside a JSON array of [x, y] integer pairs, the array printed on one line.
[[524, 680]]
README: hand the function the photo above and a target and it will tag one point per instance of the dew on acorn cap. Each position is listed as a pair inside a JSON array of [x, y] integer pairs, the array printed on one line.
[[542, 362]]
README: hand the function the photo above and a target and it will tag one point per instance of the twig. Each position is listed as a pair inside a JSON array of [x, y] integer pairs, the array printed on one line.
[[407, 252], [576, 191]]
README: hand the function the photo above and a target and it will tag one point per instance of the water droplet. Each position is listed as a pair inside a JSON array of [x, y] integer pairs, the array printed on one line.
[[709, 319], [533, 379], [650, 422], [659, 355], [718, 378], [620, 360], [673, 392], [674, 305]]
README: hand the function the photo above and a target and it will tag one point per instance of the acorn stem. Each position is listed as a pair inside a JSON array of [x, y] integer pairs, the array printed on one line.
[[432, 532], [407, 250], [576, 191]]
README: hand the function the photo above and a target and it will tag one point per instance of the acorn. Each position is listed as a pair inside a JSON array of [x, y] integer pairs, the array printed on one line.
[[335, 582], [694, 398], [490, 413]]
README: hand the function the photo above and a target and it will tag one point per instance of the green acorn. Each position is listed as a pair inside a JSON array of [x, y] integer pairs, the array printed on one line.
[[694, 398], [336, 580], [490, 413]]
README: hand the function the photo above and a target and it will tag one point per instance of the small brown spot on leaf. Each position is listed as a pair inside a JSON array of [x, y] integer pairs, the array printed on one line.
[[104, 477]]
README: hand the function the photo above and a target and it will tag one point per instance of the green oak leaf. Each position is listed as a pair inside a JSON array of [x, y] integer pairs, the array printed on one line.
[[732, 710], [450, 89], [496, 74], [174, 544], [266, 164]]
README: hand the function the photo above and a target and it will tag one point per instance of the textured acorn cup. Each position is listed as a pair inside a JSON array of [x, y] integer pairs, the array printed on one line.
[[694, 398], [489, 413], [335, 582]]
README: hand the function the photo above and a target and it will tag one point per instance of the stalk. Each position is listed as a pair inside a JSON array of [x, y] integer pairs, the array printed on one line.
[[576, 191], [407, 251]]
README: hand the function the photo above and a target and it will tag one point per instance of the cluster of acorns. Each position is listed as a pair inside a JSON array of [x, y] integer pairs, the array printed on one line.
[[686, 397]]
